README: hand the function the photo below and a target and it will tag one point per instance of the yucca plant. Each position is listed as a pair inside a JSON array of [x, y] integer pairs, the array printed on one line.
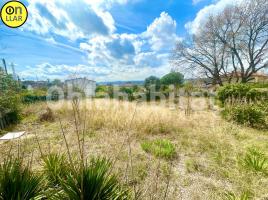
[[91, 181], [256, 160], [55, 168], [18, 182]]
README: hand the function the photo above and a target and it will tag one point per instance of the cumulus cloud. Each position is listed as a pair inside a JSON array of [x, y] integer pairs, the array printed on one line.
[[162, 33], [68, 18], [110, 55], [47, 70], [125, 52], [203, 14]]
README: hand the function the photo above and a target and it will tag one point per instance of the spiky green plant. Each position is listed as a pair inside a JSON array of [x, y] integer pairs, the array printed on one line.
[[92, 181], [18, 182], [255, 160], [55, 168]]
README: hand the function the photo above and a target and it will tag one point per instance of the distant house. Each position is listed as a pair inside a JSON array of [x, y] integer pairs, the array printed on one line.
[[83, 84]]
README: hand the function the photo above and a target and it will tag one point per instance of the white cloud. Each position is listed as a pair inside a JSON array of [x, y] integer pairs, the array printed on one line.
[[131, 54], [162, 33], [110, 56], [195, 2], [203, 14], [68, 18], [47, 70]]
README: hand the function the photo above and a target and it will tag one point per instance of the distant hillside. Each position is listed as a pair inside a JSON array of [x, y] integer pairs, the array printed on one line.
[[121, 83]]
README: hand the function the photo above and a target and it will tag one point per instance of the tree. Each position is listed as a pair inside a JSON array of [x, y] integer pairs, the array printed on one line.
[[203, 53], [152, 81], [230, 45], [9, 97], [244, 30], [172, 78]]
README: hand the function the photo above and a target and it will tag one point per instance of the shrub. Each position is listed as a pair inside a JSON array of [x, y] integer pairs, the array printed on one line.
[[159, 148], [255, 160], [33, 96], [233, 91], [18, 181], [239, 92], [247, 114], [9, 98]]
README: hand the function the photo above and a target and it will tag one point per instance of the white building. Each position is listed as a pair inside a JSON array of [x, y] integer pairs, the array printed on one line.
[[83, 84]]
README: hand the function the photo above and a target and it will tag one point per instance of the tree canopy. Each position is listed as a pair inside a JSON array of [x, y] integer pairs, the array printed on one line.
[[152, 81], [173, 78], [9, 96]]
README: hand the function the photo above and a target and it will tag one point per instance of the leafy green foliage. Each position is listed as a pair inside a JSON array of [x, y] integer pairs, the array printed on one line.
[[248, 114], [18, 181], [173, 78], [159, 148], [245, 104], [9, 97], [234, 92], [256, 160], [101, 88], [152, 82], [129, 91], [33, 96]]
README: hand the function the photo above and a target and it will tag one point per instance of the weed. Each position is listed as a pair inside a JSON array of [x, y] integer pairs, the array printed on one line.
[[159, 148], [255, 160], [244, 196]]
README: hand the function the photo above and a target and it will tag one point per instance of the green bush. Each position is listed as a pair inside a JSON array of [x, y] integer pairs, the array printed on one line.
[[238, 92], [34, 96], [159, 148], [9, 98], [234, 91], [247, 114]]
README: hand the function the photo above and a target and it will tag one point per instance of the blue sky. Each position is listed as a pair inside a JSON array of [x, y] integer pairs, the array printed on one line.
[[104, 40]]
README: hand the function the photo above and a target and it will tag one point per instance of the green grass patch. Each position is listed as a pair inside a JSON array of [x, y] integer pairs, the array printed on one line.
[[255, 160], [159, 148], [244, 196]]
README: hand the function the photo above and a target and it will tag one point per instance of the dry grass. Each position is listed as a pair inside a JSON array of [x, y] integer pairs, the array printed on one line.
[[208, 149]]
